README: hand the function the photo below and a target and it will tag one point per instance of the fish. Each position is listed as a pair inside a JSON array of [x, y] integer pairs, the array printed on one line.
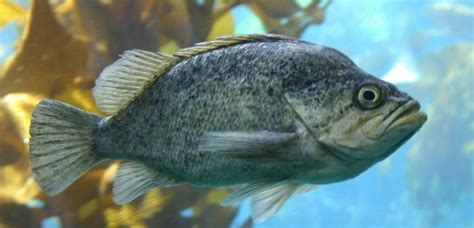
[[270, 114]]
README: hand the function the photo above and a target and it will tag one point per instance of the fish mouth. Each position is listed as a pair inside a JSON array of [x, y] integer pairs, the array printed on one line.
[[407, 116]]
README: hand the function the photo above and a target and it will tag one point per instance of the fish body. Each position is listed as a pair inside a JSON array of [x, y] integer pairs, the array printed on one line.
[[276, 115], [235, 89]]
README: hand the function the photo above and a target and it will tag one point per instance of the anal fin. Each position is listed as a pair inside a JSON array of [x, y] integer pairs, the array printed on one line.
[[249, 190], [134, 179], [268, 202], [267, 196]]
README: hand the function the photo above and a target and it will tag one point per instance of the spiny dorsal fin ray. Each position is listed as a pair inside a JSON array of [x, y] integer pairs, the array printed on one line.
[[125, 79], [120, 83], [225, 41]]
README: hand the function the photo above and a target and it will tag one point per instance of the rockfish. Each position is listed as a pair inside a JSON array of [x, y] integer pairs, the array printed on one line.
[[273, 114]]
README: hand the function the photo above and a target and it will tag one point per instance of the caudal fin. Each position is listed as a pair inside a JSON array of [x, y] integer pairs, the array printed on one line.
[[61, 144]]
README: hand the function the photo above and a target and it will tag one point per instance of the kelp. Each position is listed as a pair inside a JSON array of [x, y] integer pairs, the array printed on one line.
[[64, 46], [10, 11], [285, 17], [15, 111], [48, 60]]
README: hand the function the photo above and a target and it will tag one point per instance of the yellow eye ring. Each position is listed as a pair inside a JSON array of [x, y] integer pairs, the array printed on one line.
[[369, 96]]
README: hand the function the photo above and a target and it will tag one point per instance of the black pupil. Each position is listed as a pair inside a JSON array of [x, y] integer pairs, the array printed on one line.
[[369, 95]]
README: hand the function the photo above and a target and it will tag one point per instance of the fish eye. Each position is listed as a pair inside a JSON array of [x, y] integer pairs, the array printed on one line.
[[369, 96]]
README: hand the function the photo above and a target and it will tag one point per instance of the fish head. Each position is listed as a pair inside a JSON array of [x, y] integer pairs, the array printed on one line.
[[351, 113], [379, 120]]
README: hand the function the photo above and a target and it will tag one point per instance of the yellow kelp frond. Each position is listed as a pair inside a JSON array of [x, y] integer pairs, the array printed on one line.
[[15, 114], [135, 216], [48, 59], [9, 11]]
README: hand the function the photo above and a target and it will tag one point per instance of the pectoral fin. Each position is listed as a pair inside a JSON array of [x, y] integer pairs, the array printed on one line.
[[134, 179], [263, 145]]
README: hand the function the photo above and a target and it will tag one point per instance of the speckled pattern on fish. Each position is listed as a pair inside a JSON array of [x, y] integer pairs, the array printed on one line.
[[276, 115]]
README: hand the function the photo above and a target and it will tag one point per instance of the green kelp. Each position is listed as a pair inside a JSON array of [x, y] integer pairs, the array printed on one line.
[[440, 173], [64, 46]]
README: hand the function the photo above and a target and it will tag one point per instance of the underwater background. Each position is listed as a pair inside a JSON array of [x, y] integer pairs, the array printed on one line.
[[57, 48]]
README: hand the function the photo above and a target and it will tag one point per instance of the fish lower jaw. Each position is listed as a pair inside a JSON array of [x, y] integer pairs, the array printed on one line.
[[406, 114]]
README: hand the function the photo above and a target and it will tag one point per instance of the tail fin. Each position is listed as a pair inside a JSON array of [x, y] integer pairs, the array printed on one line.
[[61, 144]]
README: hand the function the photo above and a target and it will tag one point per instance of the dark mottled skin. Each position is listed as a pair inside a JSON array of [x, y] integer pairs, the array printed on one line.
[[240, 88]]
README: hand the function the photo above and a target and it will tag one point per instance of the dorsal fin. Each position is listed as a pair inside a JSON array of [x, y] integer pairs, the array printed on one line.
[[225, 41], [121, 82], [125, 79]]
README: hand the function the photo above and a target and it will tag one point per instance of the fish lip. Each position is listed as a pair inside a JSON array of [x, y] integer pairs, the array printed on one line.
[[417, 118], [407, 113]]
